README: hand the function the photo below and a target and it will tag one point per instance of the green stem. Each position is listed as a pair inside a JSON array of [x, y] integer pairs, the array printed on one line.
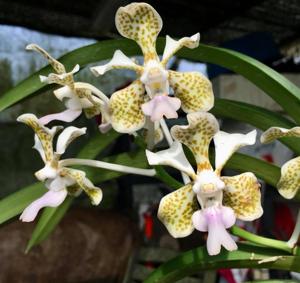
[[279, 245]]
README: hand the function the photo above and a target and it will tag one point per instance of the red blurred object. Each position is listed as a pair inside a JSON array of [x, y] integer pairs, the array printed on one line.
[[148, 225]]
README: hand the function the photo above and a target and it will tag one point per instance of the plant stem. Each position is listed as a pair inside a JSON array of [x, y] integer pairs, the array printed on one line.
[[108, 166], [279, 245], [295, 236]]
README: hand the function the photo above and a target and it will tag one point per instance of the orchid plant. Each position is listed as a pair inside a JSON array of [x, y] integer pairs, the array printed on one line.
[[208, 201]]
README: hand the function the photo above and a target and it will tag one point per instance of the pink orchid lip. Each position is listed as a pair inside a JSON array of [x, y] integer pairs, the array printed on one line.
[[215, 220], [160, 106]]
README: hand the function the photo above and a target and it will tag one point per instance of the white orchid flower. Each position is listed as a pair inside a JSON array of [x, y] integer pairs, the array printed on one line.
[[288, 185], [77, 96], [221, 199], [129, 106], [58, 179]]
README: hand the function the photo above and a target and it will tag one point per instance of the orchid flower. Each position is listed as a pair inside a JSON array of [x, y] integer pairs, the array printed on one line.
[[128, 107], [77, 96], [222, 199], [288, 185], [58, 179]]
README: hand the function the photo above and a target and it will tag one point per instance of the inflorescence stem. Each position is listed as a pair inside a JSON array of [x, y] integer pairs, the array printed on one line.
[[108, 166]]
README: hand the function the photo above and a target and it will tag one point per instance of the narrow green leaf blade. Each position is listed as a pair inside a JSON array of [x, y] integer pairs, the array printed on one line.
[[49, 219], [247, 256], [15, 203], [256, 116]]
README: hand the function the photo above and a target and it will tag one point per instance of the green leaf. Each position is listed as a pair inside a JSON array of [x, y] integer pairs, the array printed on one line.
[[49, 219], [275, 85], [279, 88], [256, 116], [15, 203], [247, 256]]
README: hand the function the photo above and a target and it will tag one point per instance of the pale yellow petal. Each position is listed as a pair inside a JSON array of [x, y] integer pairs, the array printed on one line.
[[45, 135], [176, 210], [289, 182], [172, 46], [94, 193], [277, 132], [242, 194], [197, 136], [57, 66], [125, 108], [193, 89], [141, 23]]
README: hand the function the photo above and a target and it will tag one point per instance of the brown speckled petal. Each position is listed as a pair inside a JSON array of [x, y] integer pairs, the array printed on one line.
[[176, 210], [197, 136], [289, 182], [277, 132], [125, 108], [242, 194], [193, 89], [141, 23]]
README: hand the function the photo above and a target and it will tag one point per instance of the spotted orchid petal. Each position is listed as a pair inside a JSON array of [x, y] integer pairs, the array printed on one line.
[[49, 199], [197, 135], [176, 209], [193, 89], [289, 183], [44, 140], [215, 220], [172, 46], [125, 108], [118, 61], [61, 79], [276, 132], [160, 106], [226, 144], [173, 156], [242, 194], [57, 66], [66, 137], [94, 193], [141, 23], [68, 115]]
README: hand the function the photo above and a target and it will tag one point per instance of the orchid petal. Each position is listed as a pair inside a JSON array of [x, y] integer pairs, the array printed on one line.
[[172, 46], [94, 193], [226, 144], [228, 216], [199, 221], [125, 108], [104, 127], [57, 66], [217, 234], [61, 79], [158, 134], [176, 209], [173, 156], [289, 182], [67, 136], [118, 61], [47, 172], [193, 89], [274, 133], [68, 115], [49, 199], [161, 105], [44, 135], [59, 183], [242, 194], [197, 135], [141, 23]]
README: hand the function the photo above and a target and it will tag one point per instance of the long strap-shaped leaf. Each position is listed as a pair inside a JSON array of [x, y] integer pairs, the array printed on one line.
[[275, 85], [256, 116], [247, 256]]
